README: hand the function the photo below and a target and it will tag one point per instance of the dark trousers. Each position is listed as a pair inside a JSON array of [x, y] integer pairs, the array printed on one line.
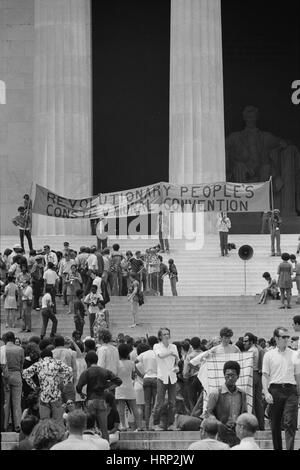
[[37, 291], [89, 282], [194, 389], [101, 244], [164, 242], [160, 400], [79, 326], [223, 242], [99, 409], [275, 237], [46, 315], [124, 285], [28, 236], [161, 286], [92, 317], [285, 408], [52, 292], [117, 283], [258, 408], [150, 389]]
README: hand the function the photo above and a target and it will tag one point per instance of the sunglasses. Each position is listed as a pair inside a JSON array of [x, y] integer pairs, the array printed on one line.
[[283, 336]]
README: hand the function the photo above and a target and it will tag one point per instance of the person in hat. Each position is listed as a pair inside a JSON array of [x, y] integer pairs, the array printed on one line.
[[274, 227]]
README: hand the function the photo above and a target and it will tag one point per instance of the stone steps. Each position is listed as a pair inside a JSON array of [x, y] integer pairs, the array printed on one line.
[[186, 316], [201, 271], [167, 440]]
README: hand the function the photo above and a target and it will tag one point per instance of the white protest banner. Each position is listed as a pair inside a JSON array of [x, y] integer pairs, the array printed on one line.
[[212, 197], [218, 197]]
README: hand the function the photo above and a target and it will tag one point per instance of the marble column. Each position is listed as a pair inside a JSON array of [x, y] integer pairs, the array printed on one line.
[[197, 141], [62, 107]]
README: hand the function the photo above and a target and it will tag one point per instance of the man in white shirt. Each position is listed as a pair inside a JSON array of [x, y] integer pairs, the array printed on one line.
[[65, 268], [76, 424], [108, 355], [102, 233], [50, 256], [223, 226], [149, 363], [208, 434], [51, 279], [281, 386], [246, 427], [167, 367], [47, 313]]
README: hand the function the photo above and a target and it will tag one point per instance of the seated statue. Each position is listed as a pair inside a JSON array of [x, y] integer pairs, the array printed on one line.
[[253, 155]]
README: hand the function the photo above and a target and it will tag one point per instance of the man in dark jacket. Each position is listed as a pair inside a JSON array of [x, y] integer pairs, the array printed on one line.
[[97, 381], [227, 403]]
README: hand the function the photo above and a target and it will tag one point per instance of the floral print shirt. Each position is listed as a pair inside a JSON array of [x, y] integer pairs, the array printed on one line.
[[51, 373]]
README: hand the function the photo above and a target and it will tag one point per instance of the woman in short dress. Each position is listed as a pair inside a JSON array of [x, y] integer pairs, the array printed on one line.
[[285, 283], [125, 393]]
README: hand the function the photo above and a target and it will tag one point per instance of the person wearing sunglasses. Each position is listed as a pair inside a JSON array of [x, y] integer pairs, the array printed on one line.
[[281, 387]]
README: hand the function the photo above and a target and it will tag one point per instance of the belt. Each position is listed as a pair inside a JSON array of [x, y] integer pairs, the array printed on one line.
[[283, 385]]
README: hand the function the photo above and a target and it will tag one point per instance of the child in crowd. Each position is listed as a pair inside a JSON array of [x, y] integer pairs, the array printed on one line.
[[79, 312], [10, 302], [68, 407], [93, 300], [173, 275], [99, 323], [27, 306]]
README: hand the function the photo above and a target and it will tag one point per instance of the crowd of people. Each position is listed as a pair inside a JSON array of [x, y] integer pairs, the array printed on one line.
[[84, 279], [65, 393]]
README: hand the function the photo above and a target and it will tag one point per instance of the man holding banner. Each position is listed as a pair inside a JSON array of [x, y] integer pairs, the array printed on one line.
[[23, 221]]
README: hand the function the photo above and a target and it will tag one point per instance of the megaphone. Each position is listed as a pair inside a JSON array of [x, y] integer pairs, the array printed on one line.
[[246, 252]]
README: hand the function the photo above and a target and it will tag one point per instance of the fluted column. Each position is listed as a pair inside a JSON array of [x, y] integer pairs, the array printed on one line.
[[197, 148], [62, 106]]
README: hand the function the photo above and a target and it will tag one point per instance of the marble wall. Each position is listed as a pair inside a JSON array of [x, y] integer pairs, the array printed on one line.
[[16, 115]]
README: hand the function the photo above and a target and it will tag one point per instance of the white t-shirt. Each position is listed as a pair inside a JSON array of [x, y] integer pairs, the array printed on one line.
[[279, 366], [74, 443], [92, 262], [27, 293], [95, 439], [50, 277], [97, 282], [165, 365], [149, 362], [248, 443], [45, 299]]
